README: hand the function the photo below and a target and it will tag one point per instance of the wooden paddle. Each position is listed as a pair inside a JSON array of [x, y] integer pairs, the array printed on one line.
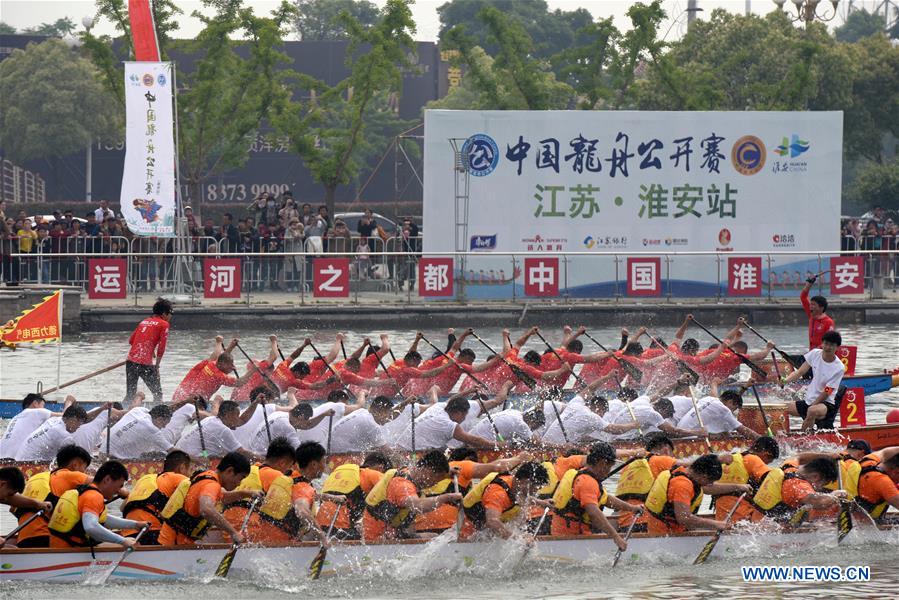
[[527, 549], [684, 367], [21, 527], [100, 580], [627, 536], [788, 357], [330, 368], [761, 410], [516, 370], [844, 518], [85, 377], [743, 358], [108, 426], [710, 545], [708, 442], [203, 451], [460, 514], [228, 559], [634, 373], [315, 567]]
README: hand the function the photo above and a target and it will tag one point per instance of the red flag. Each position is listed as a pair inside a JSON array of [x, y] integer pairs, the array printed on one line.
[[143, 31], [37, 325]]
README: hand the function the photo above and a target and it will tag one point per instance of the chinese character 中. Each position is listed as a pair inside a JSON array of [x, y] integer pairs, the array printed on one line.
[[687, 197], [518, 152], [846, 275], [584, 155], [107, 279], [584, 203], [726, 206], [542, 275], [711, 157], [222, 278], [619, 156], [549, 154], [552, 211], [654, 198], [435, 277], [645, 150], [745, 276], [683, 151]]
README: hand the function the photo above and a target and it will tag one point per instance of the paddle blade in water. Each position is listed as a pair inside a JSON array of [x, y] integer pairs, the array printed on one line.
[[225, 565], [798, 517], [844, 521], [315, 568], [706, 550]]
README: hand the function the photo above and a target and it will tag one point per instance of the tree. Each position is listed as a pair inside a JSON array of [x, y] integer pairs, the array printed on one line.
[[860, 24], [7, 29], [876, 185], [226, 95], [552, 32], [318, 19], [54, 103], [329, 130], [512, 78], [60, 28]]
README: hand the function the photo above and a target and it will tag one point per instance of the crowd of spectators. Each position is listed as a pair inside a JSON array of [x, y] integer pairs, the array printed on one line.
[[271, 225]]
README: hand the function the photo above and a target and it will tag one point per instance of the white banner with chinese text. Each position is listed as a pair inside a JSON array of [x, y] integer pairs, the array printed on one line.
[[625, 181], [148, 179]]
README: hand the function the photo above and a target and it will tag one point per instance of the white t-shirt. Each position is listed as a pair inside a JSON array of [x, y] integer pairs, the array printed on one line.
[[19, 428], [43, 444], [135, 435], [319, 433], [357, 432], [549, 415], [247, 431], [433, 429], [510, 425], [682, 405], [716, 417], [581, 425], [394, 429], [280, 427], [648, 419], [180, 419], [219, 439], [825, 376]]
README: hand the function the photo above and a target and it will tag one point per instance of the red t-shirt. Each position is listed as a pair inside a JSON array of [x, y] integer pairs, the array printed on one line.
[[817, 327], [151, 334], [204, 379], [242, 393]]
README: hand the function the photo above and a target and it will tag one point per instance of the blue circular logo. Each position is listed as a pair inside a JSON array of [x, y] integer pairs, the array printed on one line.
[[161, 79], [481, 154]]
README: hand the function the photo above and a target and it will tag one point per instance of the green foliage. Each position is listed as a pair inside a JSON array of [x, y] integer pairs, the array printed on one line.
[[60, 28], [6, 29], [318, 19], [335, 129], [552, 32], [513, 78], [859, 24], [876, 185], [224, 98], [54, 103]]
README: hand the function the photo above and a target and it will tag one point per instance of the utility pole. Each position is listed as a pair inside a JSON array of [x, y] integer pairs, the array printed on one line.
[[692, 9]]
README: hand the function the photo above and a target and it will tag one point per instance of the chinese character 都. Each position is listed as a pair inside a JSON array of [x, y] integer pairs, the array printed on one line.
[[435, 277]]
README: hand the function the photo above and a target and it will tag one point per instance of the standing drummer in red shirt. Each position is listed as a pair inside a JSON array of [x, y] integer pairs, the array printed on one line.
[[147, 347], [815, 308]]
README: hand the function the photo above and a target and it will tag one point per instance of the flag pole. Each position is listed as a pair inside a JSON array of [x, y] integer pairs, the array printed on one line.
[[59, 341]]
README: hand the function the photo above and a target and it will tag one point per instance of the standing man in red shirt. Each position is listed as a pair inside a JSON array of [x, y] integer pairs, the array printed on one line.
[[147, 347], [815, 308]]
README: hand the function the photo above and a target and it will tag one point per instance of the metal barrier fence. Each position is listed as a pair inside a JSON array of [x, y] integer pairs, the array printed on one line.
[[391, 267]]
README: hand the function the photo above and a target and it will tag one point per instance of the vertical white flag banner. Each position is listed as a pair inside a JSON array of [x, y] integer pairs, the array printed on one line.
[[148, 180]]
